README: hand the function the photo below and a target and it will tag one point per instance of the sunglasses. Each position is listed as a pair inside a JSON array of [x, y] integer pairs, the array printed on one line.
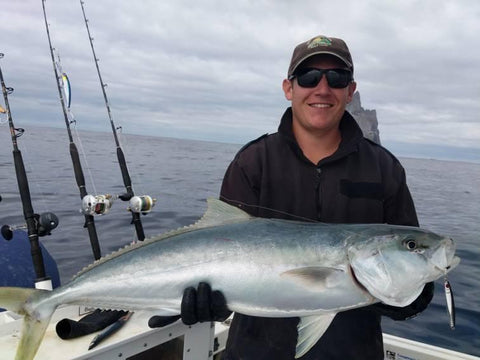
[[310, 77]]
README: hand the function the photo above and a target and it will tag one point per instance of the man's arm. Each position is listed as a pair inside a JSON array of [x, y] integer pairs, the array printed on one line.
[[399, 208], [239, 190]]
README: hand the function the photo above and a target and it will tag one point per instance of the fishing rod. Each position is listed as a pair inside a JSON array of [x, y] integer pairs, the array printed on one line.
[[37, 225], [91, 205], [138, 204]]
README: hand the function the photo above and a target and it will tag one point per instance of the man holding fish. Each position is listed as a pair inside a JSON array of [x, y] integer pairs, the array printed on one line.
[[317, 167], [309, 289]]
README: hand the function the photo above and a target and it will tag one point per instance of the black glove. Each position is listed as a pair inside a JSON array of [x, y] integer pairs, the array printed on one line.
[[198, 305], [409, 311]]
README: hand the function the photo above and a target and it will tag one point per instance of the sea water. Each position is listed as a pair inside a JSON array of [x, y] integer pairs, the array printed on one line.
[[181, 174]]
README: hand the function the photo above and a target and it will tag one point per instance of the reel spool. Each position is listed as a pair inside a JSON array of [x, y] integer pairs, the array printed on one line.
[[142, 204], [96, 205]]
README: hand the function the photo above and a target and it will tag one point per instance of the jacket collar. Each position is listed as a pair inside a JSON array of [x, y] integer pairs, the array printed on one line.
[[349, 129]]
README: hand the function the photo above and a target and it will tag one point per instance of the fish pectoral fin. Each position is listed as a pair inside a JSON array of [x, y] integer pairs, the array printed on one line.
[[316, 277], [310, 330]]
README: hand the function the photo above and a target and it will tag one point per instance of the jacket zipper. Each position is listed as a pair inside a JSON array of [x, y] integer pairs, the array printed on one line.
[[318, 191]]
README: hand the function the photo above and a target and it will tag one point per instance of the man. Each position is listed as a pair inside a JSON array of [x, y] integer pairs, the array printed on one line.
[[319, 167]]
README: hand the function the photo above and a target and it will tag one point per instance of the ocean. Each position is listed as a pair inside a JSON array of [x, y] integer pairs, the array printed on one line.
[[182, 174]]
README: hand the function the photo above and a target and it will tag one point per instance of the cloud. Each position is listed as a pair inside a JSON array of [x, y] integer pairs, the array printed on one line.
[[213, 69]]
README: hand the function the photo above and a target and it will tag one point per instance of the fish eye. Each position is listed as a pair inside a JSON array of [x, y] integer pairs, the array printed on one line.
[[410, 244]]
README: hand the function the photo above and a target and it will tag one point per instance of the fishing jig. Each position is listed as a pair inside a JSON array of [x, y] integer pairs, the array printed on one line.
[[450, 302]]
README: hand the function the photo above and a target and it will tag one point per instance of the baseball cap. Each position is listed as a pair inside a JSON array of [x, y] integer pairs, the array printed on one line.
[[317, 46]]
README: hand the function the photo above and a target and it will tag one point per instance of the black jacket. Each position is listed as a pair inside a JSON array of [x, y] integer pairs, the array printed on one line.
[[360, 183]]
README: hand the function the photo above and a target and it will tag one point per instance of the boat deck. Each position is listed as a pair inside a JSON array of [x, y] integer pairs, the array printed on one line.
[[135, 340]]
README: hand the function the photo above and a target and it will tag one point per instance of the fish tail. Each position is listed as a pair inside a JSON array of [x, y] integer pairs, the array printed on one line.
[[37, 314]]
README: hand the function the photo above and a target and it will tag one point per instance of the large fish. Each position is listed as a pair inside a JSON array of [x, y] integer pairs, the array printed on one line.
[[264, 267]]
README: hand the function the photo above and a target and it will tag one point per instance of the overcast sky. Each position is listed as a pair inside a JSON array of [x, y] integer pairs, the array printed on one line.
[[212, 70]]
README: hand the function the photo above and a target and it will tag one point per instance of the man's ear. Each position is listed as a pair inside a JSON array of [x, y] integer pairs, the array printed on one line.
[[287, 86], [351, 89]]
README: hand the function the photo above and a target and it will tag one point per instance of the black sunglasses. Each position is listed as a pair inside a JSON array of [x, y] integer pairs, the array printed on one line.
[[310, 77]]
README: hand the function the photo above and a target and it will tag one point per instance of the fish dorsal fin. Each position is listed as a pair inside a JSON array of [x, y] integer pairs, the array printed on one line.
[[218, 213], [310, 329]]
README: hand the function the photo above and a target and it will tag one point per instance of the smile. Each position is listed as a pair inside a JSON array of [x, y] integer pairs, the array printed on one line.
[[321, 106]]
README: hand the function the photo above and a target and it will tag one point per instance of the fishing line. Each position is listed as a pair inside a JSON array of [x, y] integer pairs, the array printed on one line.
[[138, 204], [84, 155], [269, 209], [31, 168], [37, 225], [3, 111], [124, 141], [90, 205], [72, 119]]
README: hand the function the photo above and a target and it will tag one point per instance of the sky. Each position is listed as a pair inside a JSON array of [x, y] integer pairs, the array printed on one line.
[[212, 70]]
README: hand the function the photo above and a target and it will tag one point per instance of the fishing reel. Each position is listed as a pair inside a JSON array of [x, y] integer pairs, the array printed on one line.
[[141, 204], [44, 224], [96, 205]]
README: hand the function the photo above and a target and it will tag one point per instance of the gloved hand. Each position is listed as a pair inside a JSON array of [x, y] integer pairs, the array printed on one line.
[[409, 311], [198, 305]]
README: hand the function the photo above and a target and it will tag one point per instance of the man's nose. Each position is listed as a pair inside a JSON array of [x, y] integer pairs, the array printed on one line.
[[322, 85]]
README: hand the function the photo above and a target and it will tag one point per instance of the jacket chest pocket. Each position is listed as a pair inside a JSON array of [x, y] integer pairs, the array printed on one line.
[[361, 190]]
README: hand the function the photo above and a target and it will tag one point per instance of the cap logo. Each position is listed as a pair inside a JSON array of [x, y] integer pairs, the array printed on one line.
[[319, 41]]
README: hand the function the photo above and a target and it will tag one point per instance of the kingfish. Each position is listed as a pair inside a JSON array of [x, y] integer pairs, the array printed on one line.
[[264, 267]]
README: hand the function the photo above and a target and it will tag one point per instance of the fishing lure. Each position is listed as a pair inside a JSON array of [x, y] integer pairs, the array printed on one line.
[[450, 302]]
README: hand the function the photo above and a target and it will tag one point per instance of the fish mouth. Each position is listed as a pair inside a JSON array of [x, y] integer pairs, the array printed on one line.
[[453, 264], [444, 258]]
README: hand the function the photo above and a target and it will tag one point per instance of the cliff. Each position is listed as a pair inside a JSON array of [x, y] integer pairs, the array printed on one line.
[[367, 119]]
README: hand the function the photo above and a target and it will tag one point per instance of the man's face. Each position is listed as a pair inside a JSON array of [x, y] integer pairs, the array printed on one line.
[[318, 109]]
